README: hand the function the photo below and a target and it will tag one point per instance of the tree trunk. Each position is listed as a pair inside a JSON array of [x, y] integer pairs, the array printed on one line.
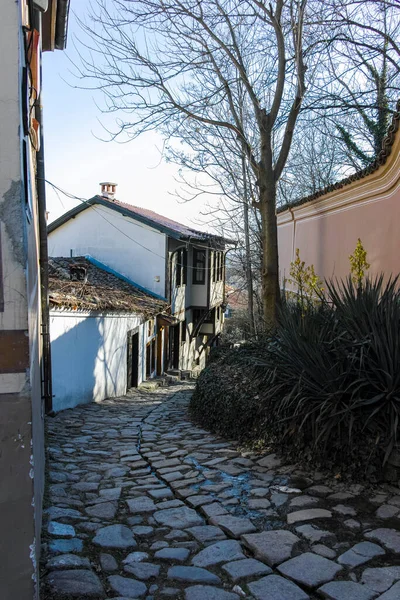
[[248, 269], [270, 265]]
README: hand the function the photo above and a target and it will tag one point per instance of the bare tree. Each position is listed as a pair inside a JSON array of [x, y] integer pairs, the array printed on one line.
[[362, 88], [164, 63]]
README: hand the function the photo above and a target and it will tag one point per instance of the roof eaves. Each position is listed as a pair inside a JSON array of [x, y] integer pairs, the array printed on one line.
[[69, 215], [380, 160], [126, 212]]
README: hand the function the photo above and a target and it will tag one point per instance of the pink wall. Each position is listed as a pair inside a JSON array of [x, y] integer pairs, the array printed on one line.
[[326, 229]]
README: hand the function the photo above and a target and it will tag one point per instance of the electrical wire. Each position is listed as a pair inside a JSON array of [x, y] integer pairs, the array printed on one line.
[[90, 204]]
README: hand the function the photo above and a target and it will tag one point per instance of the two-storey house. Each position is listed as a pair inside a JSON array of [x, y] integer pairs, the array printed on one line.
[[172, 262]]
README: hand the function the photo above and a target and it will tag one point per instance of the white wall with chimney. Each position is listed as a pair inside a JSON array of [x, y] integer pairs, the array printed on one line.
[[127, 246]]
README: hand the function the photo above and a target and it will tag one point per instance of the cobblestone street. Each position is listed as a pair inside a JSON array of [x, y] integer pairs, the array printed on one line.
[[143, 504]]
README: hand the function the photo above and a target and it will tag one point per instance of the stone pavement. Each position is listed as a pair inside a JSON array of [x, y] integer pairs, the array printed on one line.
[[143, 504]]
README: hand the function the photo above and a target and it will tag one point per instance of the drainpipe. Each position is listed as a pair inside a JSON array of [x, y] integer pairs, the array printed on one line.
[[47, 390]]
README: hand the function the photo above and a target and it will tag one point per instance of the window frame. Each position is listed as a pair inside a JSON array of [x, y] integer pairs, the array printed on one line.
[[199, 266]]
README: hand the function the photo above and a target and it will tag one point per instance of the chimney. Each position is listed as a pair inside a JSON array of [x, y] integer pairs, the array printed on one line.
[[108, 189]]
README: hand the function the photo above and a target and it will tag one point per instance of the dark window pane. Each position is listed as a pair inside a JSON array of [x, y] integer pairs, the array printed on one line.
[[199, 266]]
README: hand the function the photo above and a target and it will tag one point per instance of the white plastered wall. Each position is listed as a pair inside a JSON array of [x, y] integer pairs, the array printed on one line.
[[127, 246], [89, 355]]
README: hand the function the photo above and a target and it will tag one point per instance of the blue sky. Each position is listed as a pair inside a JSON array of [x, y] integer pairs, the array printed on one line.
[[76, 161]]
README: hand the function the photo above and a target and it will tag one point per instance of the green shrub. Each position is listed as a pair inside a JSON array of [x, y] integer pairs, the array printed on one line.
[[328, 381]]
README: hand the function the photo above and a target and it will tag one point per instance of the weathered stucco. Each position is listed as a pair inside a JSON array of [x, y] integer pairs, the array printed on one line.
[[21, 423]]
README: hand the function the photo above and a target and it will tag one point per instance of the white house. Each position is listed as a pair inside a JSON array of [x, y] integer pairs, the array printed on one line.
[[101, 328], [177, 264]]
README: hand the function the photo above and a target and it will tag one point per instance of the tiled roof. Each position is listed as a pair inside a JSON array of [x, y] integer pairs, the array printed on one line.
[[148, 217], [380, 160], [163, 221], [102, 291]]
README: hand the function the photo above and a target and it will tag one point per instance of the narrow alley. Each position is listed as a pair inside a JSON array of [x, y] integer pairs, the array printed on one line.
[[143, 504]]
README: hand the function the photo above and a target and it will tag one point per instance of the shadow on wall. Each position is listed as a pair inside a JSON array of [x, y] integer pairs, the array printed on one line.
[[88, 360]]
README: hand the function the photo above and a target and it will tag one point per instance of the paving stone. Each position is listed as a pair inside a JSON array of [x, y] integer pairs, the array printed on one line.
[[344, 510], [323, 551], [105, 510], [310, 569], [278, 499], [116, 472], [160, 464], [178, 518], [108, 562], [274, 587], [360, 554], [64, 513], [174, 476], [169, 504], [172, 554], [273, 547], [206, 533], [161, 494], [67, 561], [55, 528], [258, 503], [111, 493], [115, 536], [340, 496], [392, 594], [143, 530], [170, 592], [192, 575], [340, 590], [272, 461], [143, 504], [244, 569], [387, 511], [127, 587], [56, 477], [260, 492], [235, 526], [319, 490], [389, 538], [158, 545], [205, 592], [352, 524], [380, 579], [85, 486], [302, 501], [135, 557], [217, 553], [378, 499], [395, 500], [177, 534], [143, 570], [308, 515], [75, 583], [313, 533], [63, 545], [199, 500]]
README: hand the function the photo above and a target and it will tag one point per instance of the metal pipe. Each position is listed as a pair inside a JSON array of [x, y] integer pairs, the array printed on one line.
[[47, 389]]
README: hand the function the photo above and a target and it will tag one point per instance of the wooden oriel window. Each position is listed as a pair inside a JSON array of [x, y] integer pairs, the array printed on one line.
[[181, 267], [199, 266]]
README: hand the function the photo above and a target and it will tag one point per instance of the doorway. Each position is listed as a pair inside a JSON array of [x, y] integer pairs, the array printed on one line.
[[174, 347], [133, 359]]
